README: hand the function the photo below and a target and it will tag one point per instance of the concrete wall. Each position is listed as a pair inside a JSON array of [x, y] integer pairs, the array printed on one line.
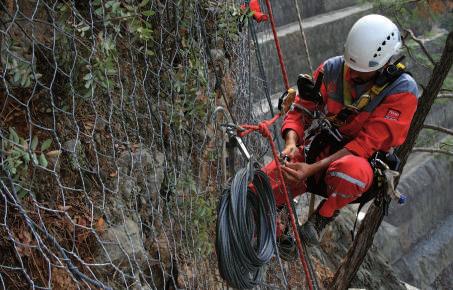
[[325, 34], [285, 12]]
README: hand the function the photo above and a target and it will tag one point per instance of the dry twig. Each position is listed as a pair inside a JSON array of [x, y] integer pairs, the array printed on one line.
[[421, 44], [432, 150], [445, 96], [438, 128]]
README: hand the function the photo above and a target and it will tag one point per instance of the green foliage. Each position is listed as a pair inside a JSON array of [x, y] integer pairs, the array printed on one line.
[[120, 27], [103, 67], [18, 153], [231, 21], [16, 60], [200, 210], [203, 218], [116, 14], [98, 60], [189, 79]]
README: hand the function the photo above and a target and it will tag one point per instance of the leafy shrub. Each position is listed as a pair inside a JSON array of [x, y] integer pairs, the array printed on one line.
[[17, 155], [15, 59]]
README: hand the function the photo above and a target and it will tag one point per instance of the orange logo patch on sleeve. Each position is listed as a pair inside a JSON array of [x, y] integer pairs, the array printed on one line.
[[392, 114]]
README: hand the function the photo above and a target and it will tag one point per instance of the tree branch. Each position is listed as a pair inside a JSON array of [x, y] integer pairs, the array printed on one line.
[[445, 96], [430, 93], [421, 44], [432, 150], [409, 52], [438, 128]]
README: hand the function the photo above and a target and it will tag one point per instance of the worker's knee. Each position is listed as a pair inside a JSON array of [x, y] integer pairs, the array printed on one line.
[[349, 176], [347, 179]]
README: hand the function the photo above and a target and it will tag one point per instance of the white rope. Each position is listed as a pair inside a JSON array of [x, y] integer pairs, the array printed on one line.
[[303, 34]]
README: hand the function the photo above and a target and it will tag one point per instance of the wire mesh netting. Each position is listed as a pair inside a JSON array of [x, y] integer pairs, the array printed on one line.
[[111, 165]]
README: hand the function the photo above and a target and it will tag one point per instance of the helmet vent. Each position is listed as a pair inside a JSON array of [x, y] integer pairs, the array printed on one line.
[[375, 55], [388, 37], [383, 43], [372, 63], [379, 49]]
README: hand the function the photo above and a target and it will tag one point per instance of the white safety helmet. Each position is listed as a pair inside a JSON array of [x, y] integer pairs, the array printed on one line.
[[371, 42]]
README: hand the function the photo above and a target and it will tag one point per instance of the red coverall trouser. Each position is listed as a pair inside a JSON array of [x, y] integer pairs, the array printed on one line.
[[347, 178]]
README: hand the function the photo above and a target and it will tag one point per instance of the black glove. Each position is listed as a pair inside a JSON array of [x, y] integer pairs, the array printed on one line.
[[308, 90]]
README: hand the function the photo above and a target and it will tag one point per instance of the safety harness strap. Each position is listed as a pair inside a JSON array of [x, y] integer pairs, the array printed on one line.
[[369, 100], [347, 97]]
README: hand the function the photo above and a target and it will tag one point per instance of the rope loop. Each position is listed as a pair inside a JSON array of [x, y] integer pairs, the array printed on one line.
[[263, 129]]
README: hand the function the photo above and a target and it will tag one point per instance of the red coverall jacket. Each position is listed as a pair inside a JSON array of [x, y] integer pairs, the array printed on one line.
[[368, 132]]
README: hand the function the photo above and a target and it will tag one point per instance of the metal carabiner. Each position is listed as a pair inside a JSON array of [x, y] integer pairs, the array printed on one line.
[[231, 129]]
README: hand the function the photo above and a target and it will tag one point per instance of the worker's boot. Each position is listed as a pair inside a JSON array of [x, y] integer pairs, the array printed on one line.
[[286, 244], [311, 231], [287, 249]]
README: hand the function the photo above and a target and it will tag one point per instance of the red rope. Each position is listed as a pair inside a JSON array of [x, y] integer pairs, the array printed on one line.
[[263, 129], [277, 44]]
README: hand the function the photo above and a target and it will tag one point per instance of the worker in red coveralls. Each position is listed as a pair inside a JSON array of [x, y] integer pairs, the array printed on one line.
[[370, 47]]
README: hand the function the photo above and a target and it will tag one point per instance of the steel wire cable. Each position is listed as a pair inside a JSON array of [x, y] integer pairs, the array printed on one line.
[[263, 77], [246, 227]]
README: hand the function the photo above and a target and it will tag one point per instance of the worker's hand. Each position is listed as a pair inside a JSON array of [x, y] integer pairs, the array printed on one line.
[[298, 171], [291, 139], [289, 150]]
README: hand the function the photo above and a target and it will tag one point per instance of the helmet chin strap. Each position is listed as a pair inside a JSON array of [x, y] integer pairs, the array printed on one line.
[[381, 70]]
